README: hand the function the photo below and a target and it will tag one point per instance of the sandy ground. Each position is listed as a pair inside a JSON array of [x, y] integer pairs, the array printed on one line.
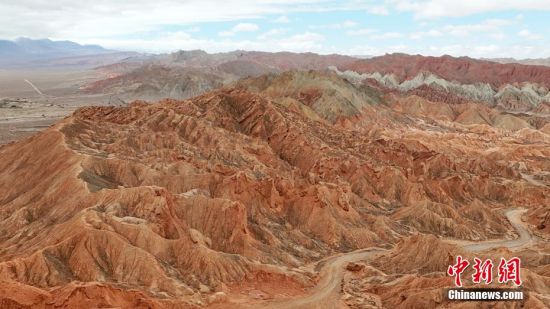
[[24, 111]]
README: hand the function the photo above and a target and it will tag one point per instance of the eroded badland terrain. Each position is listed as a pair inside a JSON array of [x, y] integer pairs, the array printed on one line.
[[277, 180]]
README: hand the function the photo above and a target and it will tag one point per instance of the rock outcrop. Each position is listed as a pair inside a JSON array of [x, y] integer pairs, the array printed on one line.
[[184, 203]]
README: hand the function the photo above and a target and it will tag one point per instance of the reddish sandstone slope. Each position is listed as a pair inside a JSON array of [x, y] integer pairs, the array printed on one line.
[[303, 61], [179, 203], [463, 70]]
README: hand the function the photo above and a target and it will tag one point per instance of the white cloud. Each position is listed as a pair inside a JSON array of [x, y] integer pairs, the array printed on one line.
[[283, 19], [498, 36], [307, 41], [245, 27], [374, 34], [422, 34], [453, 8], [378, 10], [520, 17], [240, 27], [365, 50], [461, 50], [226, 33], [488, 25], [528, 35], [168, 42], [348, 24], [524, 33], [105, 19], [386, 36], [271, 33], [142, 25]]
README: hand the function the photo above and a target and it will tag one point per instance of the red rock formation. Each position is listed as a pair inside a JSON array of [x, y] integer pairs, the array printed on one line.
[[463, 70], [178, 202], [303, 61], [437, 95]]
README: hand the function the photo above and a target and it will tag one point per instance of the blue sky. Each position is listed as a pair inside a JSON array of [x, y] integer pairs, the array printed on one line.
[[431, 27]]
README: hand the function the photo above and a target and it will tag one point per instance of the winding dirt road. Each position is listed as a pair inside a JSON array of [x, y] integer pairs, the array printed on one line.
[[514, 216], [531, 179], [327, 292]]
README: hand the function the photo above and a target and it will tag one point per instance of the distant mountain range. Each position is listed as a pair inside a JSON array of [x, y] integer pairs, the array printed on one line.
[[511, 87], [25, 52]]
